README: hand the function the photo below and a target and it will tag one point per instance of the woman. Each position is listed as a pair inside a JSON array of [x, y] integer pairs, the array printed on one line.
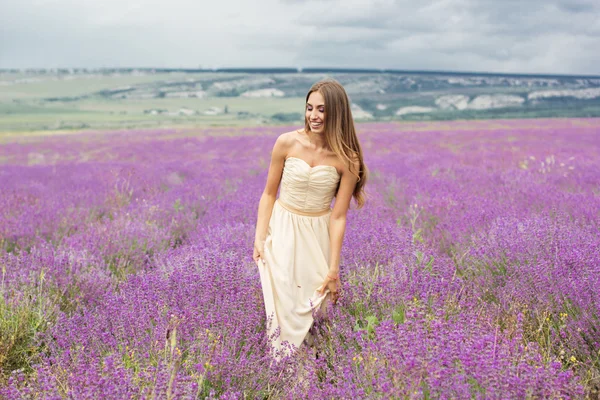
[[298, 235]]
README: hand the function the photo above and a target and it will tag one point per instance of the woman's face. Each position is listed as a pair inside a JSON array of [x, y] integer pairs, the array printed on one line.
[[315, 112]]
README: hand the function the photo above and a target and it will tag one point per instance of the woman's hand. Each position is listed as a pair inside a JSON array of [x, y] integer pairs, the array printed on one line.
[[334, 288], [257, 254]]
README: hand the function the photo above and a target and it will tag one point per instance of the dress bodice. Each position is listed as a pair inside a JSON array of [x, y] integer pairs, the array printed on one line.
[[306, 188]]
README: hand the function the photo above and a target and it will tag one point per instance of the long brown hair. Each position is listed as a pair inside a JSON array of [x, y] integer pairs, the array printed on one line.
[[340, 134]]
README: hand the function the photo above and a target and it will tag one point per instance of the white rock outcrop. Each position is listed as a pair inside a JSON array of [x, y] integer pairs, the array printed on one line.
[[213, 111], [414, 110], [197, 94], [481, 102], [359, 113], [485, 101], [452, 102], [590, 93], [272, 92], [241, 84]]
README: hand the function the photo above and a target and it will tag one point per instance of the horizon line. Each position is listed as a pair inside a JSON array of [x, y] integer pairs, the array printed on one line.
[[300, 70]]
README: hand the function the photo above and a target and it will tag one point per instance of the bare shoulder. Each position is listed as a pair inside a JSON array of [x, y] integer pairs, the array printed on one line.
[[284, 143], [288, 137], [353, 167]]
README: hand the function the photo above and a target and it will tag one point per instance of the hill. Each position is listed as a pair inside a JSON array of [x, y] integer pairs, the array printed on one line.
[[131, 98]]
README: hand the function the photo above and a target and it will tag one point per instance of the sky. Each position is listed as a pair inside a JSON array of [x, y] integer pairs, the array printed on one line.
[[508, 36]]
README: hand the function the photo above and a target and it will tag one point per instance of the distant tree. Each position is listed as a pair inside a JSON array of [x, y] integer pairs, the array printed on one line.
[[287, 117]]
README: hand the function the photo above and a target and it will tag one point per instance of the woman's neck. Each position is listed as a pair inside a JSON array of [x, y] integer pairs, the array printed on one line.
[[316, 140]]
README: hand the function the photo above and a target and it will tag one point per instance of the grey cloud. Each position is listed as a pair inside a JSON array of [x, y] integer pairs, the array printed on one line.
[[494, 17], [579, 6], [485, 34], [509, 35], [525, 19]]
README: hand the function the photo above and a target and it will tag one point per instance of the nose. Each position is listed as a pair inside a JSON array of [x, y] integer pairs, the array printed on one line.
[[314, 114]]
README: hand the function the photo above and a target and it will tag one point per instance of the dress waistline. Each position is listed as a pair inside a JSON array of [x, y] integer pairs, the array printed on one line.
[[303, 213]]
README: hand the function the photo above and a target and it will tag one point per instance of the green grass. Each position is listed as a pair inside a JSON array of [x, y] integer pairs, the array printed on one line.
[[46, 86], [22, 318], [505, 113], [49, 86], [100, 113], [263, 106]]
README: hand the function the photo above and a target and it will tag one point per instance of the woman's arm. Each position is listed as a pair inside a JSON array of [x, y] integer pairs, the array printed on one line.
[[337, 228], [267, 199], [337, 220]]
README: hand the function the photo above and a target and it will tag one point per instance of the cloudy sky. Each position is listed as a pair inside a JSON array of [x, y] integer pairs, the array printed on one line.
[[530, 36]]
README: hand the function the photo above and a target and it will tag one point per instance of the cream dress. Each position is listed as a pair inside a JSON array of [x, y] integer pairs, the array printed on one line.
[[296, 252]]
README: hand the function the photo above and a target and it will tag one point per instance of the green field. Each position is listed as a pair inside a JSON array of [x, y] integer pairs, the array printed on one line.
[[46, 101], [103, 114]]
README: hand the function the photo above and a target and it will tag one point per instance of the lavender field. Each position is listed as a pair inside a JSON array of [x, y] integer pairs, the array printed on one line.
[[472, 272]]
